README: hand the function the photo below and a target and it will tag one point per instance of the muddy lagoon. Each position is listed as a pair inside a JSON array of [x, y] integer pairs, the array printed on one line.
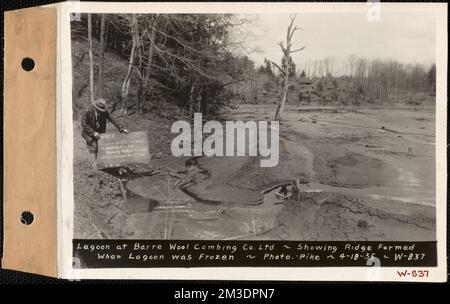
[[364, 174]]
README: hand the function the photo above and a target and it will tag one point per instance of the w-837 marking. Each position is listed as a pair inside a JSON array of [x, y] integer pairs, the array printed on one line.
[[409, 257], [414, 273]]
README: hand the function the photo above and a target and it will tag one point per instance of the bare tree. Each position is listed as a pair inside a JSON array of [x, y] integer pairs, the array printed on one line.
[[145, 83], [286, 64], [102, 53], [91, 59], [174, 55], [134, 45]]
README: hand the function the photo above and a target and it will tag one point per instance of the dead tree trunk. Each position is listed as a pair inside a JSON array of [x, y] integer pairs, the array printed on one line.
[[286, 65], [91, 59], [140, 67], [282, 101], [200, 99], [102, 54], [191, 100], [148, 70], [127, 80]]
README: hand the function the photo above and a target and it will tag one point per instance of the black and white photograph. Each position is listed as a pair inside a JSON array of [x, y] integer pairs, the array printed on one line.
[[225, 150], [307, 127]]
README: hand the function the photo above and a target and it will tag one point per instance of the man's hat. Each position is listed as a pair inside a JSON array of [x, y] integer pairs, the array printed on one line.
[[100, 104]]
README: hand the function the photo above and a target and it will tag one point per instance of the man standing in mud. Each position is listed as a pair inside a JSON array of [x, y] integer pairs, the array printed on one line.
[[93, 123]]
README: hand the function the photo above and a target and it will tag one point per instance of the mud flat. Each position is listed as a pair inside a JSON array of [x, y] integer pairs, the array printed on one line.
[[366, 174]]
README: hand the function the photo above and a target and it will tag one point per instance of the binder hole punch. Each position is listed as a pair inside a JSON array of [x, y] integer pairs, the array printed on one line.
[[27, 64], [26, 218]]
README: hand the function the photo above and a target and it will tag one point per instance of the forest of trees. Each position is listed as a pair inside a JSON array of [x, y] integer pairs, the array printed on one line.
[[191, 58], [374, 79], [195, 61], [375, 74]]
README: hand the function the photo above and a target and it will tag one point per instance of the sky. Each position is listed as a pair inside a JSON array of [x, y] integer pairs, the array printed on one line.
[[408, 37]]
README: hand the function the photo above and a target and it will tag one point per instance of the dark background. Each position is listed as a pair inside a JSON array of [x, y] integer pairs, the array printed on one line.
[[292, 291]]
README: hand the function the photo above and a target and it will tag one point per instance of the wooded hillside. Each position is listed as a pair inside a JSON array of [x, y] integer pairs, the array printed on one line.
[[196, 63]]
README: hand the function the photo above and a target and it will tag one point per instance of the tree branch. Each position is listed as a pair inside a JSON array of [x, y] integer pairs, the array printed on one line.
[[231, 82], [279, 68], [137, 70], [289, 29], [282, 47], [296, 28], [300, 49], [292, 22]]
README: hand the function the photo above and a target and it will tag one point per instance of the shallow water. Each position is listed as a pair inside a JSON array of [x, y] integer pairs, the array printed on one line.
[[386, 170], [158, 211], [159, 207]]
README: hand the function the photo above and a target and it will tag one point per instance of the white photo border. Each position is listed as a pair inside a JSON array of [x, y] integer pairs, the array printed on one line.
[[65, 149]]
